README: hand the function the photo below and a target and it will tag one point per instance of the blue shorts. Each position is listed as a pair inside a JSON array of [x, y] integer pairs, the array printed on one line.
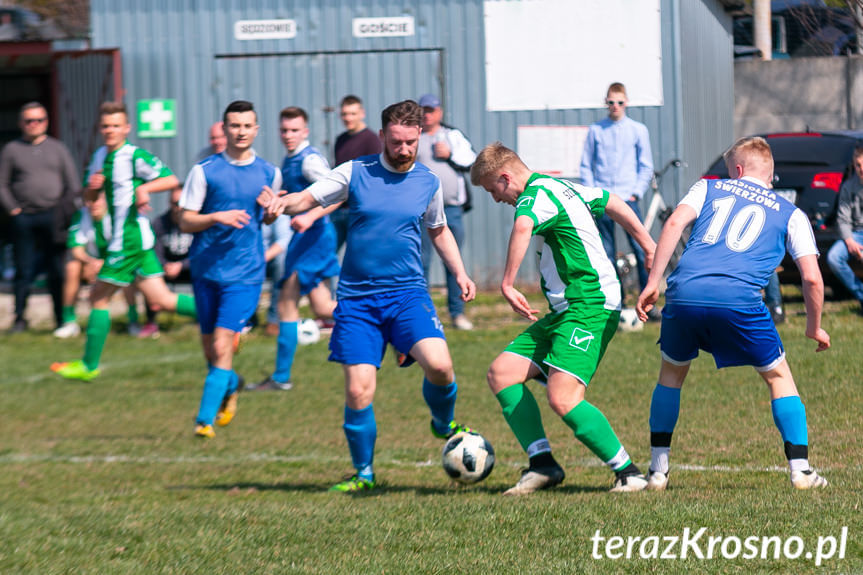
[[312, 255], [745, 336], [226, 305], [364, 325]]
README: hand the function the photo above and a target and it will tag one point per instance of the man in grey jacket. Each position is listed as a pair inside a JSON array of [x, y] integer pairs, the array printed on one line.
[[40, 190], [849, 221]]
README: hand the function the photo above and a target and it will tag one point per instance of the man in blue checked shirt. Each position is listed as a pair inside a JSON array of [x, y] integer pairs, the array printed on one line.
[[617, 158]]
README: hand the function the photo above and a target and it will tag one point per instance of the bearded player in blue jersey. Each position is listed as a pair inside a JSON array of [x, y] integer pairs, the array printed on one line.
[[740, 233], [227, 255], [382, 294]]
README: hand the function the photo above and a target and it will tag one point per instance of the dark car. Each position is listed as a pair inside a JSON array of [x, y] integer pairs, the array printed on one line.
[[809, 168]]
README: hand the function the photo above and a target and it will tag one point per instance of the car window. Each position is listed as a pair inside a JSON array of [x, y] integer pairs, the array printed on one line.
[[811, 150]]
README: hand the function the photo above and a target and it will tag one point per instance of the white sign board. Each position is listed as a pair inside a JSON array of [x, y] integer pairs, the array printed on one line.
[[383, 27], [565, 53], [265, 29], [552, 150]]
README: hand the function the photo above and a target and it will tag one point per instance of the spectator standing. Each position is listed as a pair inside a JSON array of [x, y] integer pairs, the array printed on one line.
[[218, 142], [357, 140], [617, 158], [40, 191], [448, 154], [849, 221]]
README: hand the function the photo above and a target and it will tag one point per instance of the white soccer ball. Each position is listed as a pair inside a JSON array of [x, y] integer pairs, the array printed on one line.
[[308, 332], [468, 457], [629, 320]]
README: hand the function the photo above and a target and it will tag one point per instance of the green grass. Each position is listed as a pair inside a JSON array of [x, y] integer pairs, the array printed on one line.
[[106, 477]]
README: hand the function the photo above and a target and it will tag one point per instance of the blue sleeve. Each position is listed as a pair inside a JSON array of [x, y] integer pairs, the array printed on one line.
[[644, 158], [586, 170]]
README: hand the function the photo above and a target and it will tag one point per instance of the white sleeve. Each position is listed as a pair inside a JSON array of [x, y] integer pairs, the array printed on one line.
[[695, 197], [195, 190], [800, 240], [435, 216], [461, 152], [315, 167], [333, 188], [276, 185]]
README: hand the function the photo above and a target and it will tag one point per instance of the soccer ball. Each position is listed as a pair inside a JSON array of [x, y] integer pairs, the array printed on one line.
[[468, 457], [629, 320], [308, 332]]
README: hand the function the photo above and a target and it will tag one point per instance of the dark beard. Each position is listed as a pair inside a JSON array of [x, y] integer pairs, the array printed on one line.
[[400, 164]]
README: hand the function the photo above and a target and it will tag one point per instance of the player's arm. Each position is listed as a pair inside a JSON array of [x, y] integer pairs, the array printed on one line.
[[813, 297], [671, 232], [621, 213], [330, 190], [302, 222], [519, 242], [445, 245]]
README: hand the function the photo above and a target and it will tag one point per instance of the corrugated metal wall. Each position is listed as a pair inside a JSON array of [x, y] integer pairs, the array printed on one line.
[[185, 49]]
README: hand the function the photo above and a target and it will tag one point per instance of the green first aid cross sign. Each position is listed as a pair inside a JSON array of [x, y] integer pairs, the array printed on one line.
[[157, 118]]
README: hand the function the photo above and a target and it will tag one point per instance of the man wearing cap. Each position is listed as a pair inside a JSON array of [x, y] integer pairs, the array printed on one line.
[[448, 154]]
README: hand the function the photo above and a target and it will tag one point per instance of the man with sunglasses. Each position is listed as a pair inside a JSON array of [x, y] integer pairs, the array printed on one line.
[[617, 158], [40, 191]]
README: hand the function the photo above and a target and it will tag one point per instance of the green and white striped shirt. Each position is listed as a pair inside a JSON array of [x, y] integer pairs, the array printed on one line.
[[574, 266], [125, 169]]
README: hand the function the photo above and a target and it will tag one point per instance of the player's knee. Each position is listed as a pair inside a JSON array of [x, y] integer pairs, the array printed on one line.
[[440, 372], [498, 378]]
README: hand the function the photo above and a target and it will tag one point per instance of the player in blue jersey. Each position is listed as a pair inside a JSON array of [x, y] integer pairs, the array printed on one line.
[[227, 255], [740, 234], [311, 257], [382, 294]]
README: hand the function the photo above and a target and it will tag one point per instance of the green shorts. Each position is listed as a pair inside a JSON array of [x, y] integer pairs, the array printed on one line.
[[123, 268], [572, 341]]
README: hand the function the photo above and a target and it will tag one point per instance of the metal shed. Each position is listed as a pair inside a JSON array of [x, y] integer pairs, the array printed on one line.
[[195, 53]]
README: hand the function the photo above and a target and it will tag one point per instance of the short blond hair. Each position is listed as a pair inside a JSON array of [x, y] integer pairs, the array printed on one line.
[[750, 152], [492, 159]]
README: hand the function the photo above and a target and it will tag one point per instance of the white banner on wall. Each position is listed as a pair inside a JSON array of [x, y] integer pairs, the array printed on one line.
[[563, 54], [552, 150], [265, 29], [383, 27]]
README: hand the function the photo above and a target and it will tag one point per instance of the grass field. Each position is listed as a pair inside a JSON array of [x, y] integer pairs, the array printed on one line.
[[106, 477]]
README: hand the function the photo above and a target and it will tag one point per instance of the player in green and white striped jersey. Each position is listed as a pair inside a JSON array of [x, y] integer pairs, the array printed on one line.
[[563, 348], [127, 175]]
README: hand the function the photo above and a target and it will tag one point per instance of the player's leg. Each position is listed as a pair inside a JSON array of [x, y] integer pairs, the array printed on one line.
[[286, 341], [160, 297], [664, 411], [439, 385], [130, 293], [321, 301], [578, 342], [98, 327], [71, 285], [789, 415], [507, 377], [360, 426]]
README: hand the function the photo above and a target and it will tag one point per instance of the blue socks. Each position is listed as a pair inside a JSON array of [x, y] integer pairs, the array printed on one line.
[[790, 417], [215, 387], [286, 347], [441, 402], [233, 383], [361, 430], [664, 409]]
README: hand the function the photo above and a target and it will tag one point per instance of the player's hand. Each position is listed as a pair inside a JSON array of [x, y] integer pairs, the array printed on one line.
[[234, 218], [646, 300], [518, 302], [820, 336], [95, 181], [302, 222], [468, 288], [172, 269], [142, 201]]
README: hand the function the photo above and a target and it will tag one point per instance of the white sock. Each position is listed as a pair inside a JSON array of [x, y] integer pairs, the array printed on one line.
[[659, 459], [798, 464]]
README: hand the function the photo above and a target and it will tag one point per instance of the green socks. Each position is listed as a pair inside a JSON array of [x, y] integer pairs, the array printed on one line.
[[593, 430], [97, 332], [68, 313], [523, 417], [132, 314], [186, 305]]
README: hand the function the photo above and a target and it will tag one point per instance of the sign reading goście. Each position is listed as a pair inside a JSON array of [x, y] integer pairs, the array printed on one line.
[[265, 29], [383, 27]]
